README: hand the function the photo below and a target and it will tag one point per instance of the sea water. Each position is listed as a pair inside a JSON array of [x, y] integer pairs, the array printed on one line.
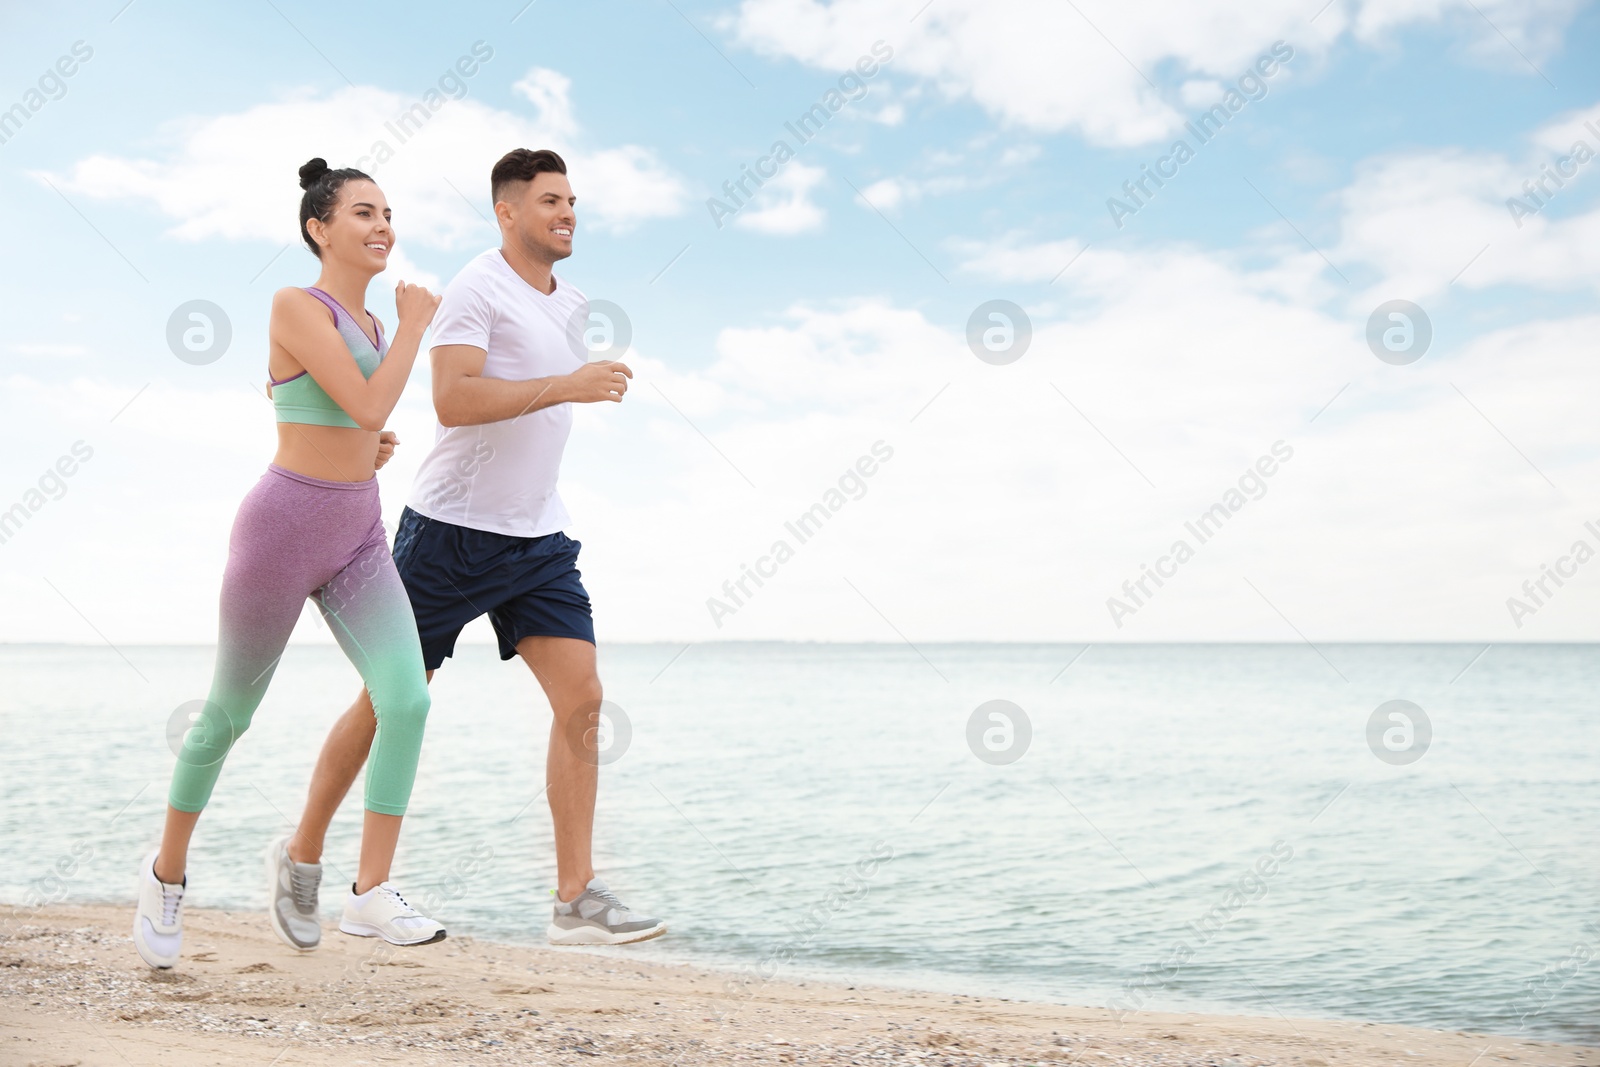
[[1226, 828]]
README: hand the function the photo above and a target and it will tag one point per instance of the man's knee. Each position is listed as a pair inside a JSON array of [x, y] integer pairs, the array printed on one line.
[[360, 718], [581, 700]]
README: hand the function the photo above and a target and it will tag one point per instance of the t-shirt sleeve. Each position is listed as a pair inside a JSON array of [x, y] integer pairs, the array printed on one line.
[[465, 313]]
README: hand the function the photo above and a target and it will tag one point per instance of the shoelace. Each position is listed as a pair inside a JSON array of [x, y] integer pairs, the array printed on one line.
[[303, 886], [395, 894], [609, 897], [171, 902]]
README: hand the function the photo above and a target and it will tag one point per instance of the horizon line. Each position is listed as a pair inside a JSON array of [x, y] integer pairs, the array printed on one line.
[[886, 644]]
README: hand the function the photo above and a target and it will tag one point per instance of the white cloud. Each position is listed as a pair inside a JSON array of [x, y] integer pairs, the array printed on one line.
[[550, 92], [1419, 222], [889, 114], [1558, 135], [233, 175], [783, 205], [1423, 219], [1072, 71], [1017, 155], [886, 195], [1191, 366], [1403, 515], [941, 172], [1013, 258], [1201, 92], [46, 350], [1500, 29]]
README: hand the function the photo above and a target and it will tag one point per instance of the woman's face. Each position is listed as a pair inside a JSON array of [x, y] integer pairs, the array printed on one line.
[[357, 232]]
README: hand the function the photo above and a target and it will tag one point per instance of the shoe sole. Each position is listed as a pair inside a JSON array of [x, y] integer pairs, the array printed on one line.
[[368, 930], [588, 935], [272, 891]]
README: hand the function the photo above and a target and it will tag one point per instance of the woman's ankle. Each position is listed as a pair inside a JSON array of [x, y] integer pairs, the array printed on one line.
[[161, 873]]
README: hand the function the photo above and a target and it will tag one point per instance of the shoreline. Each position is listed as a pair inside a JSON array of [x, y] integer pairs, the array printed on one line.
[[72, 990]]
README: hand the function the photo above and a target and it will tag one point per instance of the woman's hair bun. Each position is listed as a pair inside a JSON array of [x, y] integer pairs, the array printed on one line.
[[312, 171]]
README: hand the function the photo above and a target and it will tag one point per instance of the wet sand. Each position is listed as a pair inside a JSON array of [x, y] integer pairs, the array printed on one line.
[[73, 992]]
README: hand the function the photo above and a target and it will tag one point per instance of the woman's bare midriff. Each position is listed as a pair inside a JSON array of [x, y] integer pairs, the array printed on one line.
[[332, 453]]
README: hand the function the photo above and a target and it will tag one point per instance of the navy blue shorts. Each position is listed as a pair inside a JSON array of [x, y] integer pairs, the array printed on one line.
[[528, 586]]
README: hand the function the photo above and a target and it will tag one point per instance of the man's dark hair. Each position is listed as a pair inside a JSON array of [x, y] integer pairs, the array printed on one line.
[[522, 165]]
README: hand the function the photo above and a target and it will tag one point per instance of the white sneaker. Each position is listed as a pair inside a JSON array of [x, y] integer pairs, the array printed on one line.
[[158, 920], [382, 912]]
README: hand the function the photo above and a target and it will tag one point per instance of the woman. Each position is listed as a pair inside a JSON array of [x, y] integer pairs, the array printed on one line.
[[311, 528]]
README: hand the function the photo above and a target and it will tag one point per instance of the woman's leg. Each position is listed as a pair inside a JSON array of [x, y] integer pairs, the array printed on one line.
[[176, 832], [262, 595], [370, 615]]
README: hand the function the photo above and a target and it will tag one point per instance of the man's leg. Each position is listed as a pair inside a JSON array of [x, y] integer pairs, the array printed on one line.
[[586, 911], [343, 755], [565, 667]]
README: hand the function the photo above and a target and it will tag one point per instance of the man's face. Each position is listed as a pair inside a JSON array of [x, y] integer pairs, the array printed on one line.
[[545, 217]]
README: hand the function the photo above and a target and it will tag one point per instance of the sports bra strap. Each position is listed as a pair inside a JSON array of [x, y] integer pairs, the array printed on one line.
[[338, 309], [333, 305]]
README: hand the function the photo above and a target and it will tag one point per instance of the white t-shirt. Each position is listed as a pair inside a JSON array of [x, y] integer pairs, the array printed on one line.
[[501, 476]]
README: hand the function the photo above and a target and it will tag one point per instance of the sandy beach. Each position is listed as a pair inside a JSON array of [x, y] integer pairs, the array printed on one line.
[[73, 992]]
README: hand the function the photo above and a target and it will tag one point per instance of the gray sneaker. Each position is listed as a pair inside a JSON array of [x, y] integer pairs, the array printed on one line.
[[293, 900], [596, 917]]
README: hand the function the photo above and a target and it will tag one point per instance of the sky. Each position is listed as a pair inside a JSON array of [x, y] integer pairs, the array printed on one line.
[[1328, 374]]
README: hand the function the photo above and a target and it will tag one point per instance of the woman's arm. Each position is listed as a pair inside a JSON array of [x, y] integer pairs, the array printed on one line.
[[301, 326]]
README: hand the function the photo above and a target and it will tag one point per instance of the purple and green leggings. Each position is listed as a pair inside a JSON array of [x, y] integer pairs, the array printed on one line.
[[297, 537]]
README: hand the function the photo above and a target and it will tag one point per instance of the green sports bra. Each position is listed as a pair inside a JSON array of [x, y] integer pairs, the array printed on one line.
[[300, 399]]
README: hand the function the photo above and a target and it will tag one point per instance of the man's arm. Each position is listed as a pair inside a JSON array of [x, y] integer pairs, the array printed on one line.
[[463, 397]]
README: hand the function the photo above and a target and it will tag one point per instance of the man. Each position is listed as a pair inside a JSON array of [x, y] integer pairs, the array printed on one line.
[[483, 534]]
